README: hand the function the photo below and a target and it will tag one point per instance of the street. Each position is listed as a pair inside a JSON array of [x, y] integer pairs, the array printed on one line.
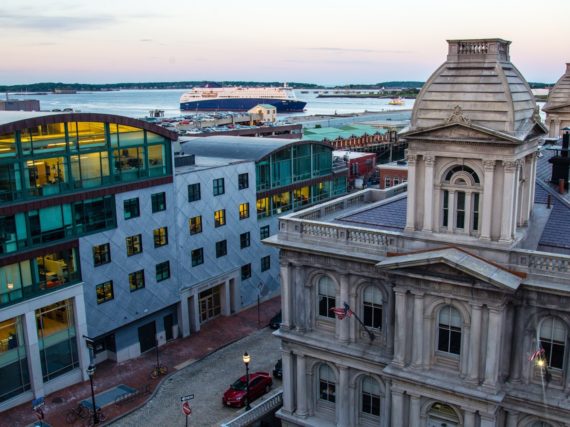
[[207, 379]]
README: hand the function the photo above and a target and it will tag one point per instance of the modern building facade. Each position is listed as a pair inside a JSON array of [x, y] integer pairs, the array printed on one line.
[[461, 284], [62, 181], [557, 108]]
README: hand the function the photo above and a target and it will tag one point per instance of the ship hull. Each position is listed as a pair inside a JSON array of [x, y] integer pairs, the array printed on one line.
[[243, 104]]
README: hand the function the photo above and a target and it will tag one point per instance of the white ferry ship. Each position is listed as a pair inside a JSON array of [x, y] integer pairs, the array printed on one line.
[[238, 98]]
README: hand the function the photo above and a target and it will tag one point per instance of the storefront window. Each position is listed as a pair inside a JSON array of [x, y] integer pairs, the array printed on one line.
[[56, 339], [13, 360]]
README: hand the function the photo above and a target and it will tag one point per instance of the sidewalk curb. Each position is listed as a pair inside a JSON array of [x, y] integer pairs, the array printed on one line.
[[159, 385]]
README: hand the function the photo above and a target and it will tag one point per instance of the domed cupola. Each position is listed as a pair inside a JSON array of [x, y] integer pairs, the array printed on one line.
[[557, 108], [478, 80], [471, 148]]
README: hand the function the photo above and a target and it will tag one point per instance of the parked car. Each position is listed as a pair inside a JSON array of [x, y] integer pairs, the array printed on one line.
[[259, 384], [278, 369], [275, 321]]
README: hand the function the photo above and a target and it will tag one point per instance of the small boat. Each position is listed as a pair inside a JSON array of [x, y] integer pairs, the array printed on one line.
[[397, 101]]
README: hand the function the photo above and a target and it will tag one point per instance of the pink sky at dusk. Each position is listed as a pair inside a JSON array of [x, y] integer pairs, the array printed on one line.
[[324, 42]]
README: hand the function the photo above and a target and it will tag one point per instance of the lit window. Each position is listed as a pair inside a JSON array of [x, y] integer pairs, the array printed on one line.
[[449, 336], [160, 237], [327, 384], [372, 307], [134, 245], [131, 208], [220, 218], [327, 296], [136, 280], [195, 224], [101, 254], [104, 292], [244, 211]]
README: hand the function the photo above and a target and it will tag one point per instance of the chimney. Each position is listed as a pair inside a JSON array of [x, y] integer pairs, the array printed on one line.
[[561, 162]]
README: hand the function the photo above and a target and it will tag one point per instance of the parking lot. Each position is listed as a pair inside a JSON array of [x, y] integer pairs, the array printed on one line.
[[206, 379]]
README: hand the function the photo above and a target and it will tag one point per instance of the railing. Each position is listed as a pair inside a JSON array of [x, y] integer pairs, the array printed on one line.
[[257, 412], [311, 225]]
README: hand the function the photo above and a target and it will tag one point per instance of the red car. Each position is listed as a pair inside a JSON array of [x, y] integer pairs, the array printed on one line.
[[259, 384]]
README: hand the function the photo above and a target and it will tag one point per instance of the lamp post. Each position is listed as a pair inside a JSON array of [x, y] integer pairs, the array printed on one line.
[[90, 372], [246, 360]]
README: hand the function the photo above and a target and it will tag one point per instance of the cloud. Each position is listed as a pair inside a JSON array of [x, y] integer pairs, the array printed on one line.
[[53, 23], [342, 50]]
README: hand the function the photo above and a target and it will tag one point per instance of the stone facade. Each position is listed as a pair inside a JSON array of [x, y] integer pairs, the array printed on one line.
[[557, 108], [466, 323]]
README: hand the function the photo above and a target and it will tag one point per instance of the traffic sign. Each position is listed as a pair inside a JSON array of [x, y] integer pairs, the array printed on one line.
[[188, 397], [186, 408]]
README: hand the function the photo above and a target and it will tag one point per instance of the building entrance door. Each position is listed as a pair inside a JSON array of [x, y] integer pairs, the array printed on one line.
[[168, 325], [210, 304], [147, 336]]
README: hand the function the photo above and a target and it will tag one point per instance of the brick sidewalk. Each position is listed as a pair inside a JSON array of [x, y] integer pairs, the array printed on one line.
[[135, 373]]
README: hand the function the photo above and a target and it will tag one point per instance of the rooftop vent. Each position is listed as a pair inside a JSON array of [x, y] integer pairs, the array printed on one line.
[[184, 160]]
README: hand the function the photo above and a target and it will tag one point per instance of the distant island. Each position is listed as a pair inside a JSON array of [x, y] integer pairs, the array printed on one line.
[[87, 87]]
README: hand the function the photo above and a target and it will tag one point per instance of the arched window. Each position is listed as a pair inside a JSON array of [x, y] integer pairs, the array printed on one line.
[[449, 330], [370, 396], [327, 295], [441, 414], [460, 204], [327, 384], [552, 339], [372, 307]]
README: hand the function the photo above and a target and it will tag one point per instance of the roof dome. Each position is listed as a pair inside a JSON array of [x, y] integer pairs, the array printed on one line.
[[479, 81], [559, 96]]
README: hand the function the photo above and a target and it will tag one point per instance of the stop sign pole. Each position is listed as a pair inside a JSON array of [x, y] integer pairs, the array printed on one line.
[[187, 410]]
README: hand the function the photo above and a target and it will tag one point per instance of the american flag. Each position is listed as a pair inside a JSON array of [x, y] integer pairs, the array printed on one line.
[[342, 312], [536, 354]]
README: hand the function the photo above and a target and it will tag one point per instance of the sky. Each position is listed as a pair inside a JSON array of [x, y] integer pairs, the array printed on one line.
[[314, 41]]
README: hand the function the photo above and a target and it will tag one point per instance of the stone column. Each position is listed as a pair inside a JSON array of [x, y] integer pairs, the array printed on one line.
[[342, 400], [301, 315], [227, 307], [487, 420], [516, 200], [516, 348], [411, 212], [512, 419], [487, 215], [532, 183], [494, 334], [417, 347], [288, 384], [33, 354], [415, 408], [196, 311], [428, 192], [343, 325], [285, 296], [451, 211], [184, 315], [509, 189], [474, 345], [400, 327], [468, 418], [301, 386], [397, 408]]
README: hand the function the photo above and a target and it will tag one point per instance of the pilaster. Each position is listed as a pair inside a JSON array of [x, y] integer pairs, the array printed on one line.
[[285, 273], [417, 347], [343, 401], [494, 333], [400, 327], [415, 411], [301, 386], [509, 189], [429, 162], [288, 384], [33, 353], [343, 325], [300, 297], [486, 220], [411, 212], [397, 408], [474, 345]]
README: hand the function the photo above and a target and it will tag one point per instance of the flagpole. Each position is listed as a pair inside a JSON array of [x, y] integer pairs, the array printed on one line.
[[370, 333]]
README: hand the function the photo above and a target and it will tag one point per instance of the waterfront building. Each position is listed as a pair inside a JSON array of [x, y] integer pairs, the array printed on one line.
[[20, 105], [63, 178], [263, 113], [460, 283], [557, 108], [392, 174], [107, 235]]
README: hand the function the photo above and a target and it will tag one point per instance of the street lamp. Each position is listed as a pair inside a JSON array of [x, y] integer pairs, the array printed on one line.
[[90, 372], [246, 360]]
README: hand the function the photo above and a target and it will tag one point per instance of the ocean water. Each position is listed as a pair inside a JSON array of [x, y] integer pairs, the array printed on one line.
[[138, 103]]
